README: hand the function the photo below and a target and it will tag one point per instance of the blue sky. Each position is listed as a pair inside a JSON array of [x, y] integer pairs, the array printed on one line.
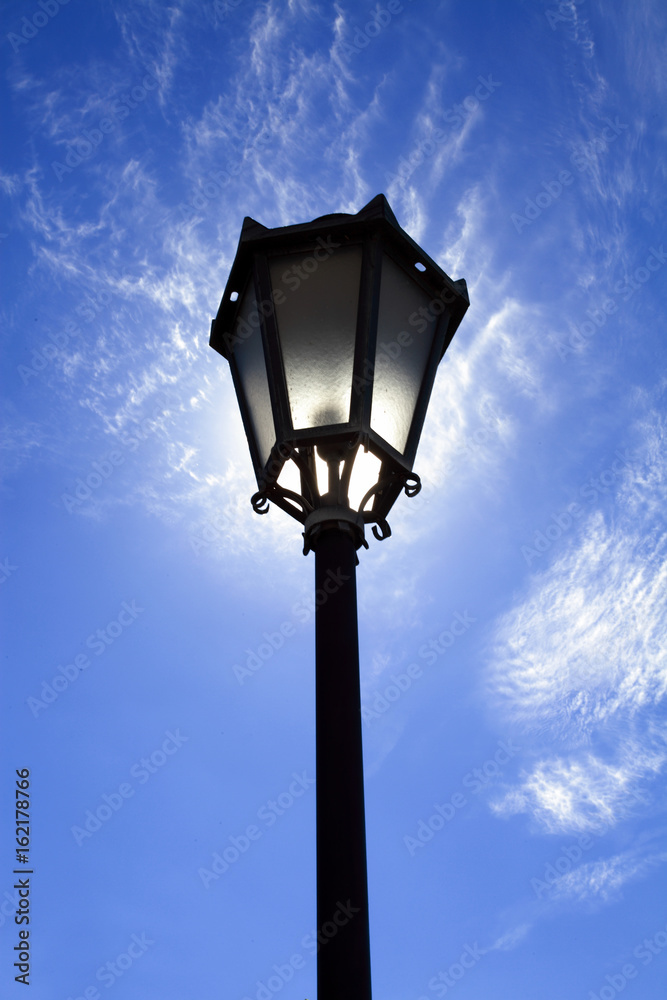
[[515, 775]]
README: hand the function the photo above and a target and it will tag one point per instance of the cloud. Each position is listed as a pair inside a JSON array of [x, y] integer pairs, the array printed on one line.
[[511, 938], [581, 659], [579, 793], [588, 886], [10, 183], [432, 148], [602, 881], [154, 38]]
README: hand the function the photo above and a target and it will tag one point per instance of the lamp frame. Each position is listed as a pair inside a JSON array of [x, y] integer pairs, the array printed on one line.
[[375, 230]]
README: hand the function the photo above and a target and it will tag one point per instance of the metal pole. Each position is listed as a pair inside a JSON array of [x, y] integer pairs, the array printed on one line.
[[343, 963]]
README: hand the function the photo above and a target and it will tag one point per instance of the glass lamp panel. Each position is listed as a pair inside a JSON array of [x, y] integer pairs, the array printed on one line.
[[317, 325], [401, 355], [365, 474], [249, 358], [290, 478]]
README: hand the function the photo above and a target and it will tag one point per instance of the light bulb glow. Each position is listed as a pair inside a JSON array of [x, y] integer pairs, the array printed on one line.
[[365, 473]]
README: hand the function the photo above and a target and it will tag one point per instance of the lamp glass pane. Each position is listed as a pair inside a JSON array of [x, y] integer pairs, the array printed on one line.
[[365, 473], [401, 355], [317, 325], [249, 358]]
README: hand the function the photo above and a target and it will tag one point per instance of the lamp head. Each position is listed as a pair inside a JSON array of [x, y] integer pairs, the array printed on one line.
[[334, 330]]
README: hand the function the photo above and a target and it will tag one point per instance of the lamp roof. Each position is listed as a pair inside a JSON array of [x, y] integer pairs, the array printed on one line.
[[375, 218]]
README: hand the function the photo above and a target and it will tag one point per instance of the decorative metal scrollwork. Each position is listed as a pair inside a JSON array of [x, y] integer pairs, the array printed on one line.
[[410, 481], [281, 497], [260, 502], [378, 488], [300, 507], [385, 530], [412, 484]]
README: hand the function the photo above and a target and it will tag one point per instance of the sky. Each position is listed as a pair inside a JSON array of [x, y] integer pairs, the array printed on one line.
[[158, 636]]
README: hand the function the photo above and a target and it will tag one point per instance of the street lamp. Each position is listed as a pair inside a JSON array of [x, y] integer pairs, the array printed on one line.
[[333, 330]]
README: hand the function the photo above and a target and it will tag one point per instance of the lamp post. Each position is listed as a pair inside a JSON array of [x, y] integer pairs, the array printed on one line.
[[333, 330]]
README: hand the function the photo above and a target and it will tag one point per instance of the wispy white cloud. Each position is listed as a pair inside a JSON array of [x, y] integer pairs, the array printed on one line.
[[582, 659], [589, 887], [10, 183], [578, 794], [510, 938], [154, 38], [602, 881]]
